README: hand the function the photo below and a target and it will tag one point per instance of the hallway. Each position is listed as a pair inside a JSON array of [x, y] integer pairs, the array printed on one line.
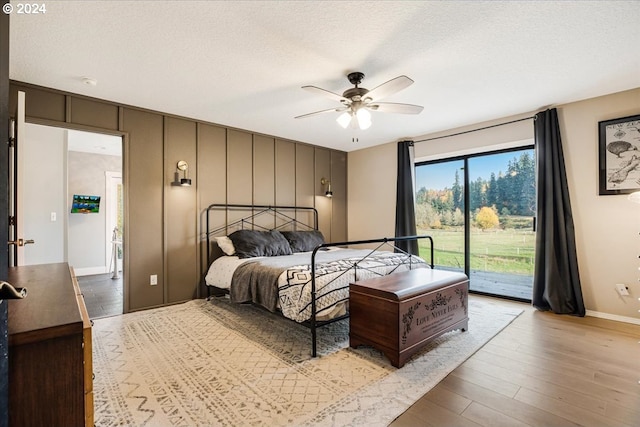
[[102, 295]]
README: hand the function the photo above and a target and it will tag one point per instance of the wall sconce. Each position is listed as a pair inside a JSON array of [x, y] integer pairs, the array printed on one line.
[[328, 191], [184, 181]]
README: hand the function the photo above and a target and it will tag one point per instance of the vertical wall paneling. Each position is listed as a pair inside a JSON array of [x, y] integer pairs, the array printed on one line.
[[87, 112], [264, 176], [305, 178], [263, 170], [323, 203], [339, 199], [305, 186], [239, 169], [211, 179], [285, 173], [145, 207], [180, 211], [212, 164], [67, 109]]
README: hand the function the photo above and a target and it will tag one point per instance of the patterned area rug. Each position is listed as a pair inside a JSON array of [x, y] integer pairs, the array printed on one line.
[[209, 363]]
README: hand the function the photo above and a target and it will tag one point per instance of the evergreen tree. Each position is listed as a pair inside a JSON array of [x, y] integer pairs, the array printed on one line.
[[492, 191], [526, 169], [421, 196], [458, 201], [477, 193]]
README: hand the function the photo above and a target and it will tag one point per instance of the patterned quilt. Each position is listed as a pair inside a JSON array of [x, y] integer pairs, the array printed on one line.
[[333, 277]]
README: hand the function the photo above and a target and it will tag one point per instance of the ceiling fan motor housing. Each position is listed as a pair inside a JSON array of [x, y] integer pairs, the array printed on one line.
[[355, 78], [355, 93]]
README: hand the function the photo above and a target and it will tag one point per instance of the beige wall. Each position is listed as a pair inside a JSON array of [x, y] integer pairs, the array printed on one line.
[[163, 224], [607, 227]]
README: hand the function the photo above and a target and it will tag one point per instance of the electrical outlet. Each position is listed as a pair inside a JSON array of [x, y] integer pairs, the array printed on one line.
[[622, 289], [153, 279]]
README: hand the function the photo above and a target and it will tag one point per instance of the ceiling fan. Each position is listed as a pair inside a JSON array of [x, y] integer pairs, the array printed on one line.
[[357, 101]]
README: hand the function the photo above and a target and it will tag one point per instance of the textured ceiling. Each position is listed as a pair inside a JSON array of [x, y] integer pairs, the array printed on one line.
[[242, 64]]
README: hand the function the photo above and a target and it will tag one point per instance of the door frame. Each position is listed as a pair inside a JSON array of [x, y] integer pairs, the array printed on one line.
[[110, 177], [125, 174]]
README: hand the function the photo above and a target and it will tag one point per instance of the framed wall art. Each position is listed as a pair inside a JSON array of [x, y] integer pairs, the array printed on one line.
[[619, 153]]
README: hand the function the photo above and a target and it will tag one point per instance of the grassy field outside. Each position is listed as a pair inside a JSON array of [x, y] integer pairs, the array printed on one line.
[[500, 251]]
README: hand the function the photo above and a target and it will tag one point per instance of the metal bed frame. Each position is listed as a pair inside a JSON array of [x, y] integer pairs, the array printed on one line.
[[286, 214]]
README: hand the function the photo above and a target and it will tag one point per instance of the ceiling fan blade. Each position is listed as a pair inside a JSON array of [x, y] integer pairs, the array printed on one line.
[[330, 110], [326, 93], [392, 107], [389, 88]]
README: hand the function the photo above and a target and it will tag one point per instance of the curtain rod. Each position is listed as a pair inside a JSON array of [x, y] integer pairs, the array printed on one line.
[[476, 130]]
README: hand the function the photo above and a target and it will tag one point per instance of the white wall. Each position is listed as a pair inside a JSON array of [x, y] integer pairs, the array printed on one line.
[[607, 227], [87, 232]]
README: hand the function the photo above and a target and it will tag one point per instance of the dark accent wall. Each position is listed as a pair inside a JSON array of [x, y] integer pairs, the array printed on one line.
[[164, 224]]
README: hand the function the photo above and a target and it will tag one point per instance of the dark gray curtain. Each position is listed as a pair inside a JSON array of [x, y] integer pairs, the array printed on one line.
[[556, 282], [405, 209]]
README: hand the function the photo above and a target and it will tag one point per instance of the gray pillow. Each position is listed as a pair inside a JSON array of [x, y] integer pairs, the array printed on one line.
[[303, 241], [253, 243]]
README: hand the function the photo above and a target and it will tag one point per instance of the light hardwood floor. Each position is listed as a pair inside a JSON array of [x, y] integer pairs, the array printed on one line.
[[542, 370]]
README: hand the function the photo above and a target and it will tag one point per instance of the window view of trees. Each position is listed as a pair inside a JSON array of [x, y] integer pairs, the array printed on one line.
[[505, 201], [502, 202]]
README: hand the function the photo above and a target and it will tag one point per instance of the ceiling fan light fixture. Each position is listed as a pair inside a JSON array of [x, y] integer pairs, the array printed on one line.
[[364, 118], [344, 119]]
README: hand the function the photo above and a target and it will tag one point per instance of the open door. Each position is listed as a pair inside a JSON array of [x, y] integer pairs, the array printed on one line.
[[16, 226]]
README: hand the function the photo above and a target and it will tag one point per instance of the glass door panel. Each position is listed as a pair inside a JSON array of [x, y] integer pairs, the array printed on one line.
[[440, 212], [502, 197]]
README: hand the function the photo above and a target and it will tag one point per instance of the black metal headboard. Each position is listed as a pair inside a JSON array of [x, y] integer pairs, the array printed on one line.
[[258, 217]]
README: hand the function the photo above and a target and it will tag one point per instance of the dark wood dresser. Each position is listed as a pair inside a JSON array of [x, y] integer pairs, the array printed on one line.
[[50, 364]]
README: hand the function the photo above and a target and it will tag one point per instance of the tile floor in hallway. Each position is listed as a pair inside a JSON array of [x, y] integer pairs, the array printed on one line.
[[102, 294]]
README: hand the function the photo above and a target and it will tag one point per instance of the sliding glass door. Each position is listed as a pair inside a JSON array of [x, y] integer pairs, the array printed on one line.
[[440, 212], [480, 211], [502, 197]]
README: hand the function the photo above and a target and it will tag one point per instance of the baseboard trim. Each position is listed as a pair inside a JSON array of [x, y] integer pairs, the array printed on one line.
[[89, 271], [615, 317]]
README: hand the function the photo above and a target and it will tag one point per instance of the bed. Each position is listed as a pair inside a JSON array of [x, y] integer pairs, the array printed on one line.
[[275, 257]]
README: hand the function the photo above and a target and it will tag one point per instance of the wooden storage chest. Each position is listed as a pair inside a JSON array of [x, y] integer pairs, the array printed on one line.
[[398, 314]]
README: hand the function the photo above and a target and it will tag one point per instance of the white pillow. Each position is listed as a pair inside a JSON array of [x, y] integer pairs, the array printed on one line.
[[226, 245]]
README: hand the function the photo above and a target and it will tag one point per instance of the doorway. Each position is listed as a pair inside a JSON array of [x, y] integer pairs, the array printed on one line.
[[480, 211], [58, 170]]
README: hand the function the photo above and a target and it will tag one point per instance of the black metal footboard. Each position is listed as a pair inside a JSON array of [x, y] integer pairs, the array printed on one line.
[[313, 323]]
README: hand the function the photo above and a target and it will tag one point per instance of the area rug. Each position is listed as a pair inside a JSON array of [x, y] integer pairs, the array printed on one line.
[[210, 363]]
